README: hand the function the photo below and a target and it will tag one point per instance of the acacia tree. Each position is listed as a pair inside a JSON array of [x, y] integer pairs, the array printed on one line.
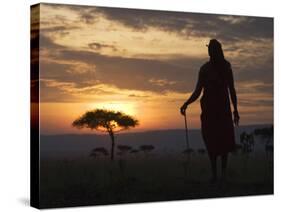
[[106, 121]]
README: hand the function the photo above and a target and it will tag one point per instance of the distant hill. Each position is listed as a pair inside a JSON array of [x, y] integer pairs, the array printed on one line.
[[165, 141]]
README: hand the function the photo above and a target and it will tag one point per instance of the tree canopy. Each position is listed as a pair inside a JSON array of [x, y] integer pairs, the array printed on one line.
[[105, 121]]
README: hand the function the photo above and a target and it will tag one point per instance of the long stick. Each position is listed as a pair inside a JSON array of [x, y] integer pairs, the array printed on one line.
[[186, 131]]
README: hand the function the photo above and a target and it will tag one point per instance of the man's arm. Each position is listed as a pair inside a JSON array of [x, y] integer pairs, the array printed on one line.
[[194, 96], [233, 96], [196, 93]]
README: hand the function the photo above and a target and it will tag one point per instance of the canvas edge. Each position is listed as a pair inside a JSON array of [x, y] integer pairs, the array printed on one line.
[[34, 106]]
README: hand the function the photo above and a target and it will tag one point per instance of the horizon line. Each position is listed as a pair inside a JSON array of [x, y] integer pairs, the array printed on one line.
[[145, 131]]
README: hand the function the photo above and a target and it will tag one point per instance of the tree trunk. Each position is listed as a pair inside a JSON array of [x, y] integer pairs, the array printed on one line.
[[112, 145]]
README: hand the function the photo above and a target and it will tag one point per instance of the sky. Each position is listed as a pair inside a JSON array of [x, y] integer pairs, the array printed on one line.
[[145, 63]]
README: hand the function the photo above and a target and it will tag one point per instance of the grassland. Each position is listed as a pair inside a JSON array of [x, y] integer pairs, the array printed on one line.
[[143, 178]]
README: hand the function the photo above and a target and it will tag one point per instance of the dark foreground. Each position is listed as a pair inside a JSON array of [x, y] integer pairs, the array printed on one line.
[[145, 178]]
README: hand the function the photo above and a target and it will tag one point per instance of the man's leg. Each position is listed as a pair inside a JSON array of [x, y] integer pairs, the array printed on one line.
[[224, 165], [213, 159]]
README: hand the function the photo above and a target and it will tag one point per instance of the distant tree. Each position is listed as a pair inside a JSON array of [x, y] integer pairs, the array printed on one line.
[[247, 140], [266, 135], [146, 148], [106, 121], [124, 149], [99, 151]]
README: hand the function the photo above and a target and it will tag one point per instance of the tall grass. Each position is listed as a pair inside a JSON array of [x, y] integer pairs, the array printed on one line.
[[100, 181]]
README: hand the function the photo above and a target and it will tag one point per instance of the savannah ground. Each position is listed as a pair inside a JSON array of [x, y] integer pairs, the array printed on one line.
[[149, 177]]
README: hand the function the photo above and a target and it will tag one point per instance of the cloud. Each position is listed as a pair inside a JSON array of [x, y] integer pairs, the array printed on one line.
[[61, 30], [255, 86], [88, 16], [162, 82], [228, 28], [63, 91], [256, 103], [47, 43], [140, 74], [224, 27], [68, 73], [98, 46], [138, 96], [89, 70], [178, 74]]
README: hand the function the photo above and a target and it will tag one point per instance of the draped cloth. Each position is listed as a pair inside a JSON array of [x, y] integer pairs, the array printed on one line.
[[216, 117]]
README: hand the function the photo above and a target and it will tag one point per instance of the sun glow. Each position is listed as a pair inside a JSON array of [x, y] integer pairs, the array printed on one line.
[[125, 107]]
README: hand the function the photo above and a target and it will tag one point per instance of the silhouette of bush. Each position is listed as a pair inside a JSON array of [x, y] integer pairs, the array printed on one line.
[[99, 151], [124, 148], [146, 148], [247, 140]]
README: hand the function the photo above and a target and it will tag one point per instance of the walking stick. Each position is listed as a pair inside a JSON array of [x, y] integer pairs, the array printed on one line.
[[186, 131], [187, 163]]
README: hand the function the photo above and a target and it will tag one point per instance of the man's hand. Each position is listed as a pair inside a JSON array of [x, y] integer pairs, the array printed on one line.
[[236, 117], [183, 108]]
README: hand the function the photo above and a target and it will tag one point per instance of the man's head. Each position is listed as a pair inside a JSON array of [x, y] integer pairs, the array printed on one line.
[[215, 49]]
